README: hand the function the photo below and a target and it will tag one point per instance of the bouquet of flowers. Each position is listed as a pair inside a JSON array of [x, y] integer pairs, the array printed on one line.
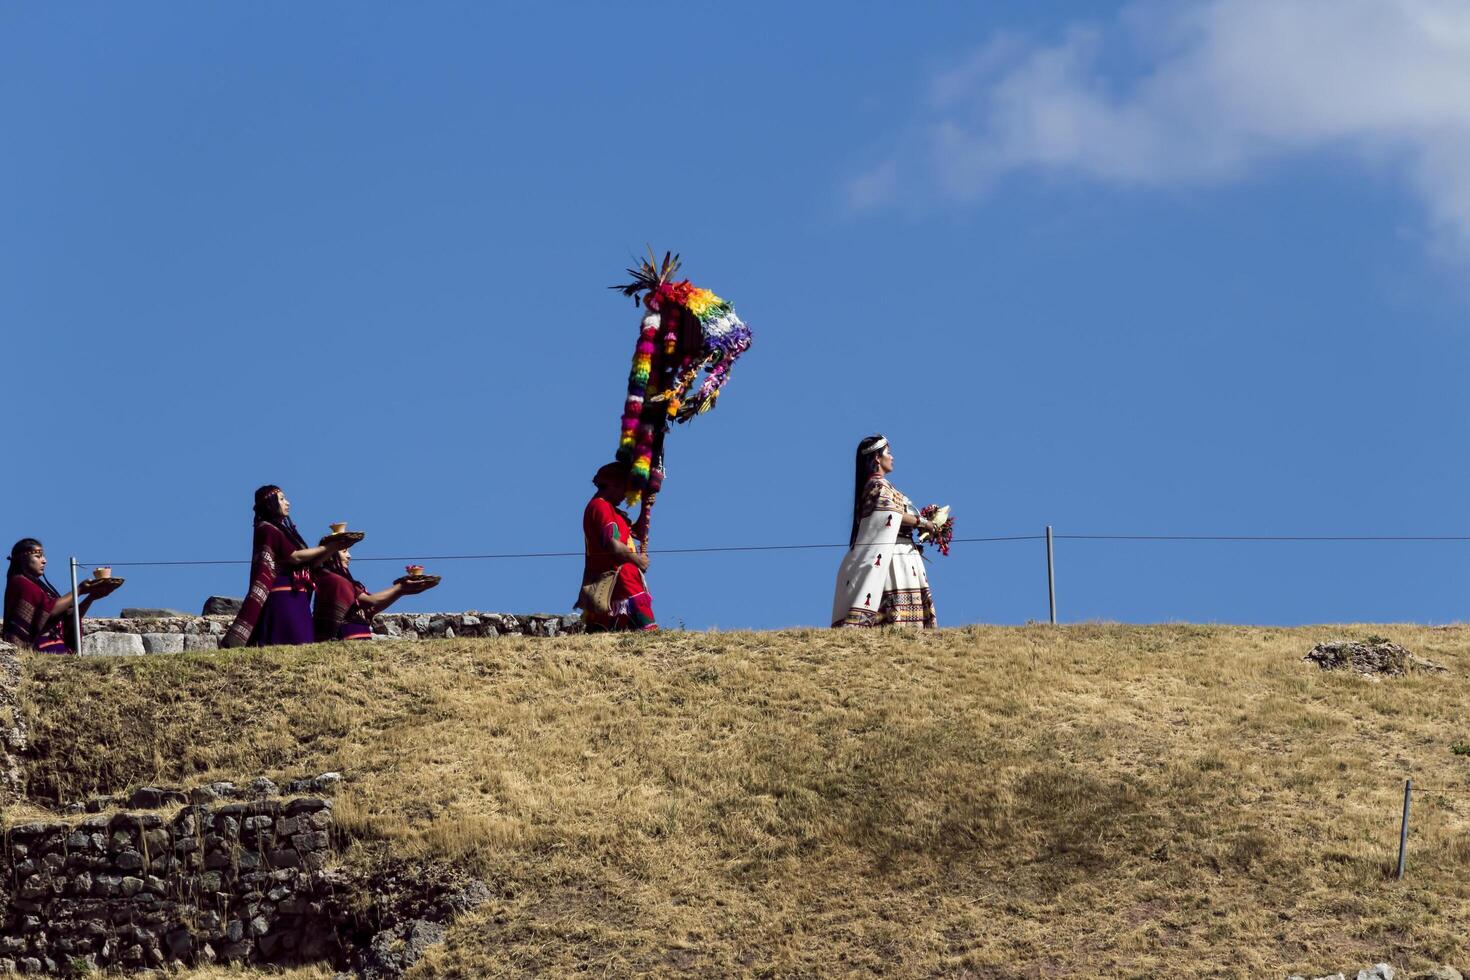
[[943, 527]]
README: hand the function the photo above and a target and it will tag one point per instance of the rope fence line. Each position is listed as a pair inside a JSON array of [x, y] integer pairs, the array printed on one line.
[[580, 554], [1048, 538], [718, 549], [1260, 537]]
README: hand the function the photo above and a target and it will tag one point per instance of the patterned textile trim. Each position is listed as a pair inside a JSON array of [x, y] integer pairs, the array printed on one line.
[[355, 631], [899, 607], [19, 621], [858, 618], [640, 613], [878, 495], [52, 646], [909, 607], [262, 578]]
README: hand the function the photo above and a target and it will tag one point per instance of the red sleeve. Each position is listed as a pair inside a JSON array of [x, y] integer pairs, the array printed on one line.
[[599, 515]]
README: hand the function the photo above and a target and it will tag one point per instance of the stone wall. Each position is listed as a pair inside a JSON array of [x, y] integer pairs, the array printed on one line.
[[12, 729], [178, 634], [201, 879], [244, 882]]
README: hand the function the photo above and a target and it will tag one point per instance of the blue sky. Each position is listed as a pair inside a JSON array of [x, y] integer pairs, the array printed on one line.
[[1117, 268]]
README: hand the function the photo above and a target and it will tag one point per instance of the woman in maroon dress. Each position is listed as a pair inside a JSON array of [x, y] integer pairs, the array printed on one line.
[[37, 617], [277, 609], [612, 555], [344, 608]]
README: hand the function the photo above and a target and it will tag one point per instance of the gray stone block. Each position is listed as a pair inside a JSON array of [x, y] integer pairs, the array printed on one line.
[[163, 642], [112, 645], [194, 643], [144, 613], [218, 605], [153, 797]]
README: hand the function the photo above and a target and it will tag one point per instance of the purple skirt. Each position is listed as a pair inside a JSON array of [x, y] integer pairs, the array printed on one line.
[[285, 621]]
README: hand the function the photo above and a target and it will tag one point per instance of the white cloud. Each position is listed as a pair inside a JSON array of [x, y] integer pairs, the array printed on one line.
[[1225, 87]]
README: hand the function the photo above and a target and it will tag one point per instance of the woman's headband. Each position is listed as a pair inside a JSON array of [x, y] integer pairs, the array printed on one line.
[[878, 446]]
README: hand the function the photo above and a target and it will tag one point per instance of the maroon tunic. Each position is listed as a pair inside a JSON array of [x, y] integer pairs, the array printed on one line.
[[28, 617], [274, 584], [340, 612]]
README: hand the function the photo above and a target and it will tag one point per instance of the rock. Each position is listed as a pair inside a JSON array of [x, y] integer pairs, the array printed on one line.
[[218, 605], [307, 804], [234, 951], [152, 614], [112, 645], [180, 943], [394, 950], [470, 897], [286, 857], [1374, 657], [193, 643], [1439, 973], [153, 797], [324, 783], [1380, 971], [163, 642], [98, 803], [203, 794], [261, 786]]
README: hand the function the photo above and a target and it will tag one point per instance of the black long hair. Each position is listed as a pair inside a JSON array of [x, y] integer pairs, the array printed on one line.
[[265, 510], [334, 563], [862, 473], [18, 555]]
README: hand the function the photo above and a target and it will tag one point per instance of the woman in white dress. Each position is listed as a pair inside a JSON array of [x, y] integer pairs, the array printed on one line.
[[882, 581]]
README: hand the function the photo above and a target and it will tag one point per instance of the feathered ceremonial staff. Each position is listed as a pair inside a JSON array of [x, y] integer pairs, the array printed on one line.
[[686, 332]]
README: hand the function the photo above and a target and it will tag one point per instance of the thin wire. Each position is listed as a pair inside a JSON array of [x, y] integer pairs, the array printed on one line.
[[580, 554], [1261, 537], [810, 547]]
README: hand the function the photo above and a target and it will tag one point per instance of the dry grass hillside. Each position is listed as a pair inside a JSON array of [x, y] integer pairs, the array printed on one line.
[[994, 802]]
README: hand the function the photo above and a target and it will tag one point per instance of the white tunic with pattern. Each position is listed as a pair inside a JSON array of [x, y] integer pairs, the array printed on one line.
[[882, 581]]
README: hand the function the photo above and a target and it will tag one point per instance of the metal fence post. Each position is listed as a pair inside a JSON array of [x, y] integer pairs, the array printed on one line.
[[1051, 578], [76, 604], [1404, 828]]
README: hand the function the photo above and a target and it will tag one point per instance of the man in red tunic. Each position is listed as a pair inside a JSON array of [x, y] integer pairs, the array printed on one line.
[[613, 560]]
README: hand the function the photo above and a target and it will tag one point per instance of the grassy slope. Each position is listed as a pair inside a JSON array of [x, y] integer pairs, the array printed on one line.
[[1090, 800]]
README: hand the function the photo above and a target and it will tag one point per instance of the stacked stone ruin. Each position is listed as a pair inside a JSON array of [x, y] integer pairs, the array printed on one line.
[[12, 729], [242, 882], [180, 633], [197, 879]]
